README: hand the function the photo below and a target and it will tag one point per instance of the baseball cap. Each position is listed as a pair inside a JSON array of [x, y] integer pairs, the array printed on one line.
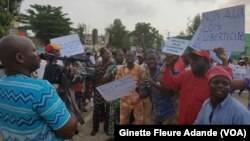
[[220, 71], [201, 53], [51, 47]]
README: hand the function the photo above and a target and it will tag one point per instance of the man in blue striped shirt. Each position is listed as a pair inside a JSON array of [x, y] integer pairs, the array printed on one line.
[[221, 108], [30, 108]]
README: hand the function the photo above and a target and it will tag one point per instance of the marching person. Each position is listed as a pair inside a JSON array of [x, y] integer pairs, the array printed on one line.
[[101, 107], [159, 104], [221, 107], [131, 102], [192, 85]]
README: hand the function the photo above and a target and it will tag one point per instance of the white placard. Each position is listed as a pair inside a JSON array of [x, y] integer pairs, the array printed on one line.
[[224, 28], [175, 46], [217, 59], [70, 45], [239, 73], [117, 89], [195, 42]]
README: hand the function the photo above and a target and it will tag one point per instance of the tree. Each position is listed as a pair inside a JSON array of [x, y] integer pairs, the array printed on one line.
[[81, 30], [151, 36], [46, 22], [118, 35], [191, 28], [194, 25], [8, 10]]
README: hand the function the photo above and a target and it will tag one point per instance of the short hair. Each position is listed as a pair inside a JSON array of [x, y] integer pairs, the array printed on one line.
[[117, 51]]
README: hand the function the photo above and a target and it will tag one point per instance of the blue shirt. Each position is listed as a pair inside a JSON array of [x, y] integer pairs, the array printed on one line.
[[163, 103], [30, 109], [228, 112]]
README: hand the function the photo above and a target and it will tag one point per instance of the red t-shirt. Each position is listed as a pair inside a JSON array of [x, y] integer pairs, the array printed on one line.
[[193, 91], [78, 87]]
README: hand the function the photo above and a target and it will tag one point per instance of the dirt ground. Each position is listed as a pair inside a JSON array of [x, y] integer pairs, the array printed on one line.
[[84, 130]]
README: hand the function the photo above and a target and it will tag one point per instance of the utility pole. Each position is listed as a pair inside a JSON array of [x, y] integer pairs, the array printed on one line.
[[168, 34]]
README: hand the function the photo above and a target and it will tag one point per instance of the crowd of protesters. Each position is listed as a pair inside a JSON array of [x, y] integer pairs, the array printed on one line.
[[170, 90]]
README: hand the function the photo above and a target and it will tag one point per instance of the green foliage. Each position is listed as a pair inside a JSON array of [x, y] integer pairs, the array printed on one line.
[[14, 6], [152, 38], [191, 28], [118, 36], [46, 22], [81, 28], [5, 21], [194, 25], [8, 10]]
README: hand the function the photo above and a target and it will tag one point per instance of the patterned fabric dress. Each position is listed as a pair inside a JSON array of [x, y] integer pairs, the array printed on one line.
[[101, 107], [131, 102], [114, 109]]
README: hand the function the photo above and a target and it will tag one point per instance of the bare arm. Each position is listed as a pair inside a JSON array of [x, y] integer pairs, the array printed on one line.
[[144, 49], [238, 84], [68, 130], [222, 55]]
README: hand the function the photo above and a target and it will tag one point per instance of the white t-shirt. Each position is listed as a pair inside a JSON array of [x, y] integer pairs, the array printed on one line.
[[92, 59]]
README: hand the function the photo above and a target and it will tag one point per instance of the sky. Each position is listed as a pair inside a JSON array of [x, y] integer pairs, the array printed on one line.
[[167, 16]]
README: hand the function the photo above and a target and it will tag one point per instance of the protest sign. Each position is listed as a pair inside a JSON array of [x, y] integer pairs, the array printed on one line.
[[175, 46], [195, 42], [216, 58], [224, 28], [117, 89], [70, 45], [239, 73], [221, 28]]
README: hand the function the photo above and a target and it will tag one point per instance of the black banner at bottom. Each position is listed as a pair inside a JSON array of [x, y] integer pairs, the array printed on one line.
[[163, 132]]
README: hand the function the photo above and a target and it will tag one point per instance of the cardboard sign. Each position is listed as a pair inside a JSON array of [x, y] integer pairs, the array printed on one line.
[[175, 46], [117, 89], [217, 59], [195, 42], [70, 45], [239, 73], [221, 28]]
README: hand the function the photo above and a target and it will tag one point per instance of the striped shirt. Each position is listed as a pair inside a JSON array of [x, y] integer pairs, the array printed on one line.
[[30, 109]]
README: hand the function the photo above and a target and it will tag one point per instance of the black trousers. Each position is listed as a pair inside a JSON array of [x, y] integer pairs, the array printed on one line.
[[100, 113]]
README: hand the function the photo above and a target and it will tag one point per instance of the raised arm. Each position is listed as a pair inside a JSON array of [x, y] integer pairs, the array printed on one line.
[[169, 81], [220, 53]]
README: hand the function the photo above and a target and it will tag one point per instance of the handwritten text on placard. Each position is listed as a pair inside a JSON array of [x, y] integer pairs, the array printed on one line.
[[117, 89], [70, 45]]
